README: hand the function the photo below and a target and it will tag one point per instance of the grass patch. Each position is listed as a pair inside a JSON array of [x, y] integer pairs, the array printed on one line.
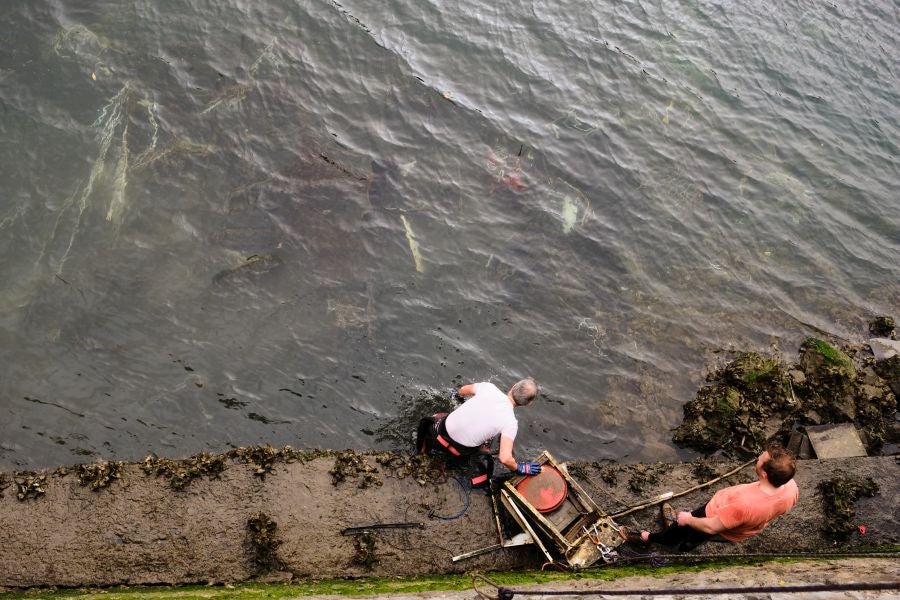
[[376, 586]]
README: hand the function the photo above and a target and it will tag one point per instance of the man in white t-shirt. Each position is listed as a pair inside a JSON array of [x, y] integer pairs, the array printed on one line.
[[486, 413]]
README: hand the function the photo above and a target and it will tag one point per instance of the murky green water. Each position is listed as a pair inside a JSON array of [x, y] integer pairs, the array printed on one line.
[[231, 223]]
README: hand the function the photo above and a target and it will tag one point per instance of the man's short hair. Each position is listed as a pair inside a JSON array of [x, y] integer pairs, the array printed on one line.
[[781, 466], [525, 391]]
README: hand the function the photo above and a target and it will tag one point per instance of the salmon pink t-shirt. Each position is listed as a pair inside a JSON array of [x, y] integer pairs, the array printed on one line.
[[745, 509]]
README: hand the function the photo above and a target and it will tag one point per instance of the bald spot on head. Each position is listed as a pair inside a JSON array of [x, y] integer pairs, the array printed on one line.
[[524, 391]]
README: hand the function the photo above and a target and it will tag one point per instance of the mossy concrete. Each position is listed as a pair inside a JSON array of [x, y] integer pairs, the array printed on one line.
[[140, 530]]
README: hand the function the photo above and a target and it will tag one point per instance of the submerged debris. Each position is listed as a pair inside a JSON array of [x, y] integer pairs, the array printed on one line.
[[98, 475], [29, 485], [839, 496], [413, 245], [181, 473], [257, 264], [399, 430], [350, 464], [264, 543]]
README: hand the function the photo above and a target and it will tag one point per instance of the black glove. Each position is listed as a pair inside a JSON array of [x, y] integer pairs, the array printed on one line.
[[529, 468]]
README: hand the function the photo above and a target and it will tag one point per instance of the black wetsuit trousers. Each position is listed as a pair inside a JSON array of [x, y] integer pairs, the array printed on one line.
[[682, 538]]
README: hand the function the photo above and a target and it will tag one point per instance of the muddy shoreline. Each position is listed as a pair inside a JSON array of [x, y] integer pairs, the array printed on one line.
[[280, 514], [139, 528]]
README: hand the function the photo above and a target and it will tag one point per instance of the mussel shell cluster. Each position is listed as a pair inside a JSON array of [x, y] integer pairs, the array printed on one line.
[[29, 485], [264, 542], [424, 468], [349, 464], [98, 475], [265, 457], [181, 473]]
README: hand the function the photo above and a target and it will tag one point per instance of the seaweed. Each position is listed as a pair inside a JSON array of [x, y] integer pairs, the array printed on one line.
[[754, 399], [644, 475], [264, 543], [350, 464], [830, 355], [181, 473], [882, 326], [839, 496], [365, 551], [578, 470], [265, 457], [704, 469], [422, 467], [608, 472]]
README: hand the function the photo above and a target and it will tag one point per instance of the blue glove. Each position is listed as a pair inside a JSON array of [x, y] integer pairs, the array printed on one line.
[[529, 468]]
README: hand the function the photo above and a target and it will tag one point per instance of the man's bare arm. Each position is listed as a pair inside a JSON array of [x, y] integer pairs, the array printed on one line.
[[711, 525], [506, 455]]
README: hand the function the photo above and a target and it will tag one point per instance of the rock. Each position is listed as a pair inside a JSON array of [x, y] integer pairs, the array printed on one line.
[[884, 348], [749, 368], [754, 399], [835, 441], [889, 370], [822, 362], [797, 377], [845, 408], [882, 326]]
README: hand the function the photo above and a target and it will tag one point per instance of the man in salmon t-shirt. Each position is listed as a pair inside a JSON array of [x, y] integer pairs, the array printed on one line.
[[734, 513]]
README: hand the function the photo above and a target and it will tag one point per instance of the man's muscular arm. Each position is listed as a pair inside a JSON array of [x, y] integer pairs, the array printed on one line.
[[711, 525], [506, 455]]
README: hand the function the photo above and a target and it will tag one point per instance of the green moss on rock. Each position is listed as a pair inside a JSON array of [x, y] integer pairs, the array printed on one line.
[[816, 353]]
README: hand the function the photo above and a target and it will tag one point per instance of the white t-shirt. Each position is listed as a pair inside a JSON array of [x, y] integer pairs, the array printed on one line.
[[482, 417]]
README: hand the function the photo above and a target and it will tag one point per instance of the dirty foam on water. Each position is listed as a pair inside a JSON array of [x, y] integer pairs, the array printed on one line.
[[282, 223]]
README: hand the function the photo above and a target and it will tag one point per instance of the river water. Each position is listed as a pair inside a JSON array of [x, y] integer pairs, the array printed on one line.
[[233, 222]]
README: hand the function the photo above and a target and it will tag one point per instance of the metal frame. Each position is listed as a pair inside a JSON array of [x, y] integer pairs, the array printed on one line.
[[587, 538]]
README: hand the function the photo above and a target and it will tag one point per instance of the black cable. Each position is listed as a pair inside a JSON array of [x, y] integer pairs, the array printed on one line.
[[654, 556], [507, 594], [465, 492]]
